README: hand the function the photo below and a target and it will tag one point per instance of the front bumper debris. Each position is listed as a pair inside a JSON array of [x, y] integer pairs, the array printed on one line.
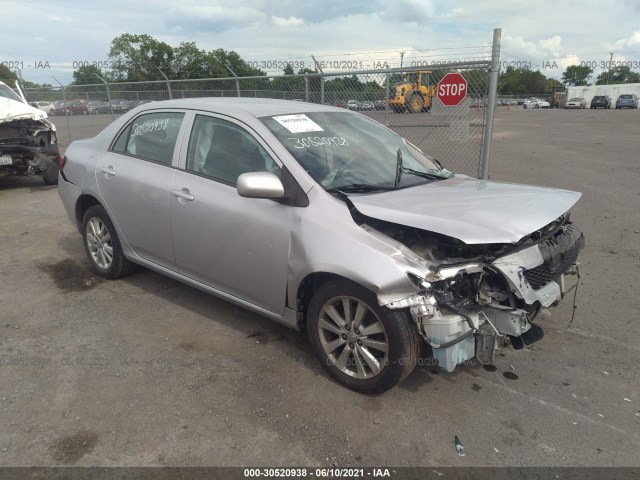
[[534, 277]]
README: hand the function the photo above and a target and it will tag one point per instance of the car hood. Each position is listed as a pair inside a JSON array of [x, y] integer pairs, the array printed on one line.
[[474, 211], [11, 110]]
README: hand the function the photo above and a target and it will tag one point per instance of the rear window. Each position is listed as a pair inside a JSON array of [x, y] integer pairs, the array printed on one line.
[[151, 136], [626, 97]]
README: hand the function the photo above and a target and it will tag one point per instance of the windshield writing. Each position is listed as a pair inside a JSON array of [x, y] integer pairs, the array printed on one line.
[[347, 150]]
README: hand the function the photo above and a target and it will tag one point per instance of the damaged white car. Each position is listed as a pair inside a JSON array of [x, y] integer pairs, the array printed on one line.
[[321, 218], [28, 142]]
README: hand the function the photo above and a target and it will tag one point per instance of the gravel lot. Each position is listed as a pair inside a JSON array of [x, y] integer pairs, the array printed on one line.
[[147, 371]]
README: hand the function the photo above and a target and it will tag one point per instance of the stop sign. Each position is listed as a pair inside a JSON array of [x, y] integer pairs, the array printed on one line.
[[452, 89]]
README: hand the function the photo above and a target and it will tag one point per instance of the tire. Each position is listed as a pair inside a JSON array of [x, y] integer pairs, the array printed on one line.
[[50, 175], [352, 351], [415, 103], [102, 245]]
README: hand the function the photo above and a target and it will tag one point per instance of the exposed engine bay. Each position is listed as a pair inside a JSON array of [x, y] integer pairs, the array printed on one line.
[[29, 147], [28, 141], [479, 296]]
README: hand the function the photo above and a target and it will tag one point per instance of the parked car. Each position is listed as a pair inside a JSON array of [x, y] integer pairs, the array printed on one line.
[[600, 101], [28, 141], [75, 107], [627, 100], [59, 108], [575, 103], [536, 103], [316, 216], [380, 104], [366, 105], [124, 106], [44, 106], [352, 105], [95, 107]]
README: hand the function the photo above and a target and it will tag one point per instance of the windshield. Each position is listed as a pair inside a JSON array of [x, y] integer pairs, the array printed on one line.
[[8, 93], [341, 149]]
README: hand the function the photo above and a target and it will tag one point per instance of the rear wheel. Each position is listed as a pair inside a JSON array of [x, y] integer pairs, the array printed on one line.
[[102, 245], [362, 345]]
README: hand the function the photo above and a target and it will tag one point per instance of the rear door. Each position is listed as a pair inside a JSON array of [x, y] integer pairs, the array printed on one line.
[[134, 178]]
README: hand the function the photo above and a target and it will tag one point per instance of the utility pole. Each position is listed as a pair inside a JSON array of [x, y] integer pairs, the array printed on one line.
[[609, 71], [401, 58]]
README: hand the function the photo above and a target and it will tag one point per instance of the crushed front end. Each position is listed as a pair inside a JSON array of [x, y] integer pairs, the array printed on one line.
[[29, 147], [476, 297]]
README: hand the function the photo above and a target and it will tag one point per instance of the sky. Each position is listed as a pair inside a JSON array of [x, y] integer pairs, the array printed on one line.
[[46, 40]]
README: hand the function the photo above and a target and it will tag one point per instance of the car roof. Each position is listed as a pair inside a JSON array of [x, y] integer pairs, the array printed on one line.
[[255, 107]]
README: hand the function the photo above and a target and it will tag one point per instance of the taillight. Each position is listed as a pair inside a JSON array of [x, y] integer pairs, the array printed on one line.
[[61, 161]]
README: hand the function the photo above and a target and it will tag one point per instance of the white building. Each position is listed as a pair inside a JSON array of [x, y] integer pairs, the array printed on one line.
[[613, 91]]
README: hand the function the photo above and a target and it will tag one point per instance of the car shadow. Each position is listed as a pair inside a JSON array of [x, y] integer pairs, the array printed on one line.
[[251, 325], [33, 183]]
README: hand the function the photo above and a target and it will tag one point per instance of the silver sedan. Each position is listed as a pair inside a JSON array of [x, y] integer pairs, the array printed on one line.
[[321, 218]]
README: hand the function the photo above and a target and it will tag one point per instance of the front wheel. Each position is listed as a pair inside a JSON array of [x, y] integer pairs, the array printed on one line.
[[416, 103], [102, 245], [364, 346]]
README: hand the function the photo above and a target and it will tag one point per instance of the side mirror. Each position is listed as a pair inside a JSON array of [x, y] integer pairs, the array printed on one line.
[[260, 185]]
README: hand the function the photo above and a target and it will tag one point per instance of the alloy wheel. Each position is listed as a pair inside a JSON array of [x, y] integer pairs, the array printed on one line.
[[353, 338]]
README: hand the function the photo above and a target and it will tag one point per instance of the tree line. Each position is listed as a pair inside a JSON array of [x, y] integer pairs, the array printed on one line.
[[137, 58]]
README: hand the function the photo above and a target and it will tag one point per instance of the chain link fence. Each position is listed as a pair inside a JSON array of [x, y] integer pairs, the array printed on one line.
[[406, 100]]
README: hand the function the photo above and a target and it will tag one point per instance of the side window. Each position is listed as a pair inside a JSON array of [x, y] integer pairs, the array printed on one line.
[[151, 136], [223, 151]]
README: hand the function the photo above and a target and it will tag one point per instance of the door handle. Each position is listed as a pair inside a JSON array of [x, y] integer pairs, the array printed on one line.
[[183, 194], [108, 171]]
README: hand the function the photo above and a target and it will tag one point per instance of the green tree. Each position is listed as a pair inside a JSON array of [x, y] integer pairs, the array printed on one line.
[[7, 76], [87, 75], [621, 74], [139, 58], [220, 59], [189, 62], [552, 85], [577, 75], [288, 69], [519, 81]]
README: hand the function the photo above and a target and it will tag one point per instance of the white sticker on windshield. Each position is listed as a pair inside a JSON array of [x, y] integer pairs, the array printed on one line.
[[299, 123]]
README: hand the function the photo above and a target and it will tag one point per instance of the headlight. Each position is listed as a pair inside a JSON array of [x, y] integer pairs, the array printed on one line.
[[450, 271]]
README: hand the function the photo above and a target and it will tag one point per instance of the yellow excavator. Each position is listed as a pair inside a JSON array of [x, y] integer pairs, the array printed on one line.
[[413, 94]]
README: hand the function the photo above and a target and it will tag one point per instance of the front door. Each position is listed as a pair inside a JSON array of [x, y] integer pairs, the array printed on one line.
[[235, 244]]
